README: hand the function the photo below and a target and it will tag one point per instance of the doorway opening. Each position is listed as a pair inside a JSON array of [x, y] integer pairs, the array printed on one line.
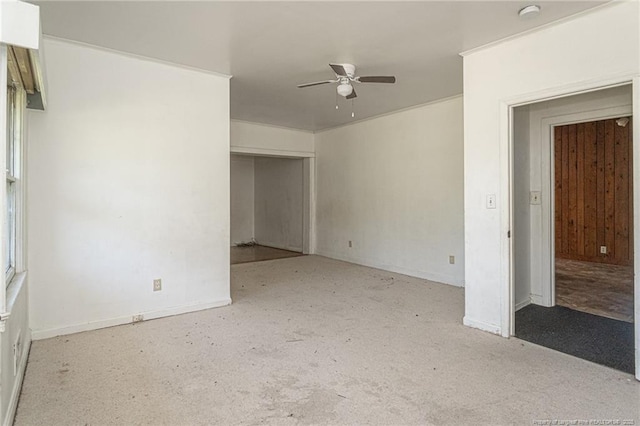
[[573, 226], [593, 218], [268, 208]]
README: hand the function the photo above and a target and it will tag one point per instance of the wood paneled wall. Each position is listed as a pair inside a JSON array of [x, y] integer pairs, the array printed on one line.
[[593, 192]]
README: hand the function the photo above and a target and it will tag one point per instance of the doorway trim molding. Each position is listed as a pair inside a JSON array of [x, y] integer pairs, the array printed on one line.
[[547, 247], [308, 189], [506, 106]]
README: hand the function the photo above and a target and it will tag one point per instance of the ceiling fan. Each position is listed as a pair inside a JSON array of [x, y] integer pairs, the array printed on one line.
[[345, 76]]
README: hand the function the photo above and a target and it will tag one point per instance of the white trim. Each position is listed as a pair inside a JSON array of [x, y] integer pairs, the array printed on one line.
[[437, 278], [17, 384], [397, 111], [536, 299], [491, 328], [136, 56], [274, 126], [3, 164], [547, 123], [279, 246], [267, 152], [94, 325], [636, 215], [570, 89], [20, 22], [507, 318], [309, 206], [522, 304], [14, 288]]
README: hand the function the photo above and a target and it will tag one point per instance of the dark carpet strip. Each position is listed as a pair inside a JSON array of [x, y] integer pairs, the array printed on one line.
[[598, 339]]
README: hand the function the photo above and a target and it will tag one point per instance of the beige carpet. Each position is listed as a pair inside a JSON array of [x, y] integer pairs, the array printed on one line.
[[310, 340]]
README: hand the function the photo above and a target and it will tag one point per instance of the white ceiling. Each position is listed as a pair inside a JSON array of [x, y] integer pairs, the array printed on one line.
[[270, 47]]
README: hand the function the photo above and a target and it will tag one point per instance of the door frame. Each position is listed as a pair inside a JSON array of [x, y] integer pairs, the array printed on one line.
[[308, 189], [506, 112], [548, 190]]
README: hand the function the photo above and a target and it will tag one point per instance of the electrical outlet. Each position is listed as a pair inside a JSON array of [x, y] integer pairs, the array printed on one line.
[[350, 244], [157, 285], [137, 318], [452, 260], [603, 249]]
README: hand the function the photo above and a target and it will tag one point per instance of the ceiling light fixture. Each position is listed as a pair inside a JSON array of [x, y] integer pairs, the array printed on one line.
[[622, 122], [529, 12], [345, 89]]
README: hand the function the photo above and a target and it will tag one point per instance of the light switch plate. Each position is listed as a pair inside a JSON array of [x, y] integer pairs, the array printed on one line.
[[491, 201]]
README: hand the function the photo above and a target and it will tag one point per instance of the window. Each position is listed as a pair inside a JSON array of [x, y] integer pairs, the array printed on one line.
[[14, 136]]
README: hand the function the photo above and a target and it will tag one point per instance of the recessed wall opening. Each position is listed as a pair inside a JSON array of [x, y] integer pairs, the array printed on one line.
[[267, 208], [573, 248]]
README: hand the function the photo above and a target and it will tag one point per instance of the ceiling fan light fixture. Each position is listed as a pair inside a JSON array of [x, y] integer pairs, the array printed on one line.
[[345, 89]]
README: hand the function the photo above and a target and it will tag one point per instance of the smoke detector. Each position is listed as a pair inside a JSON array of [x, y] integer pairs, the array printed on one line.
[[529, 12]]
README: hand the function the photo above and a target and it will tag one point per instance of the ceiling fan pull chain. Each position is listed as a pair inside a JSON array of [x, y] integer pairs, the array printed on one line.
[[336, 100], [352, 113]]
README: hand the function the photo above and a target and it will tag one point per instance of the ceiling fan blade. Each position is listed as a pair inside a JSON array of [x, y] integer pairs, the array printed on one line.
[[377, 79], [352, 95], [338, 69], [316, 83]]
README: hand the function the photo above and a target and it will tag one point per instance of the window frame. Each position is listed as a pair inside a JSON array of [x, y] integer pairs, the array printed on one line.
[[12, 246]]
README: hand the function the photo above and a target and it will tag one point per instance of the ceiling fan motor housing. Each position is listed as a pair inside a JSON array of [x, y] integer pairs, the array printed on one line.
[[350, 69]]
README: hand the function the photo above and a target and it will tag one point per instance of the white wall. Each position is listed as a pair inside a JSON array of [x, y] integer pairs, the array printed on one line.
[[279, 202], [393, 185], [16, 331], [554, 60], [128, 182], [521, 208], [261, 139], [242, 199]]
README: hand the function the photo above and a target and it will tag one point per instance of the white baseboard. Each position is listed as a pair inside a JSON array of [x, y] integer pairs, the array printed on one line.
[[439, 278], [536, 299], [522, 304], [94, 325], [17, 385], [470, 322], [279, 246]]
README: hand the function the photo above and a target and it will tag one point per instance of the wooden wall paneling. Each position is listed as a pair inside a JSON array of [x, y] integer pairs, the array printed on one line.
[[600, 223], [591, 187], [565, 190], [610, 201], [580, 181], [593, 192], [572, 231]]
